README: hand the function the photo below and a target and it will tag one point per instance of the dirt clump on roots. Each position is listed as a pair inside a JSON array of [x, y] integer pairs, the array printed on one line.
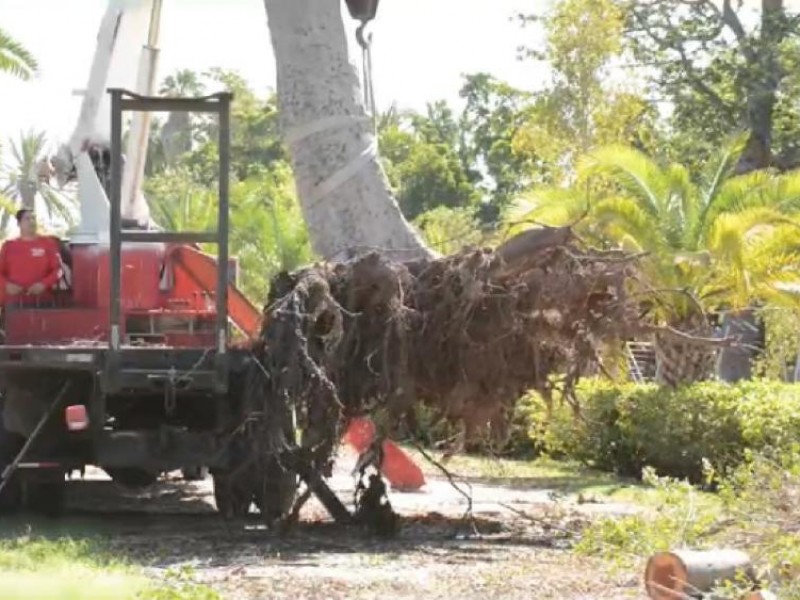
[[465, 335]]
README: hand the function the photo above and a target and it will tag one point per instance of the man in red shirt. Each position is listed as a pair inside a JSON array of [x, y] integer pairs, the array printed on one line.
[[29, 265]]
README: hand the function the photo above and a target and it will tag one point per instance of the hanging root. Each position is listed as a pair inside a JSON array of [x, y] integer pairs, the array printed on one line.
[[466, 335]]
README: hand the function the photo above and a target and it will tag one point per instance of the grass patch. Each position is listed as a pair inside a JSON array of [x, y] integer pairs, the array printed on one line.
[[756, 509], [64, 568], [563, 477]]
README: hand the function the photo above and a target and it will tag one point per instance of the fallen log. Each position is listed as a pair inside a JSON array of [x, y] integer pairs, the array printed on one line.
[[685, 573]]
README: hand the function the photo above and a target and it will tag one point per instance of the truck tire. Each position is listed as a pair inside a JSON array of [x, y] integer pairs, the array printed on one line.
[[233, 494], [277, 489], [276, 493]]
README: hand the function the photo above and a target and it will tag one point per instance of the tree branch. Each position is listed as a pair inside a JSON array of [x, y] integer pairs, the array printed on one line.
[[692, 76], [692, 339], [731, 19]]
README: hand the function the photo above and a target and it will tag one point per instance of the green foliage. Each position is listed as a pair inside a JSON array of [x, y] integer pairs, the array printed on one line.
[[755, 509], [762, 497], [580, 109], [626, 427], [684, 519], [178, 584], [726, 240], [448, 230], [15, 59], [493, 115], [421, 157], [443, 159], [782, 345], [70, 569], [721, 68], [267, 233]]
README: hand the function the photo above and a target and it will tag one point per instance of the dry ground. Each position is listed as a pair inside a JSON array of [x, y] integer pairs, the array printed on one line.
[[517, 545]]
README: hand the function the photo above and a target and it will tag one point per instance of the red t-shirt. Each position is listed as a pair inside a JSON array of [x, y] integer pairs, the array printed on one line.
[[25, 262]]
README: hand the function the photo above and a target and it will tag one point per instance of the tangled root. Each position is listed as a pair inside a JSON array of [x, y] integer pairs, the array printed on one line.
[[466, 335]]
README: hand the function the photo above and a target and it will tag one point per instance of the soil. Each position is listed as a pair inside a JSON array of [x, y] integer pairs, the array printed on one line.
[[517, 545]]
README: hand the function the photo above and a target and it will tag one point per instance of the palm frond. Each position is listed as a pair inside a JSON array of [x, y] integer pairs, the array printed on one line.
[[720, 168], [624, 217], [636, 173], [758, 189], [548, 206], [15, 59]]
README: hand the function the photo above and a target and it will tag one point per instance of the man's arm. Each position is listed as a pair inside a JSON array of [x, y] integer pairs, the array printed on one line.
[[4, 263], [53, 267], [8, 284]]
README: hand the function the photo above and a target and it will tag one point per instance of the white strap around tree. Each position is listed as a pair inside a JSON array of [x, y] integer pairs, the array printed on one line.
[[300, 132], [344, 174]]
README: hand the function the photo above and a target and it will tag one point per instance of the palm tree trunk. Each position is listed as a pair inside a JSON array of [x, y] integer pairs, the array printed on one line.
[[342, 188], [678, 362], [27, 193]]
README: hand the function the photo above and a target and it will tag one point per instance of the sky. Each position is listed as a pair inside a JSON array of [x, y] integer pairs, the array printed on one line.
[[420, 50]]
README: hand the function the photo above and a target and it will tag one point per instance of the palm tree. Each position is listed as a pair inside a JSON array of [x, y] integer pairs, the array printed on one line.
[[712, 243], [15, 59], [27, 181], [176, 134]]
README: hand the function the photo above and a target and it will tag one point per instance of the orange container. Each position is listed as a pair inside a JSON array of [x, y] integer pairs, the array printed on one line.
[[398, 468]]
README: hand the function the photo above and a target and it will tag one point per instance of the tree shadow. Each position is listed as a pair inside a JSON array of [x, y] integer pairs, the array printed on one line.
[[173, 523]]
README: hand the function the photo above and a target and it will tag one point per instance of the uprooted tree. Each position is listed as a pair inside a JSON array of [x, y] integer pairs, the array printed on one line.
[[465, 335], [395, 329]]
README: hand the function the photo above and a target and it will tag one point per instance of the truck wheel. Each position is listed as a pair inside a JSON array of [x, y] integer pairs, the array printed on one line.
[[194, 473], [46, 498], [277, 489], [232, 495], [276, 494]]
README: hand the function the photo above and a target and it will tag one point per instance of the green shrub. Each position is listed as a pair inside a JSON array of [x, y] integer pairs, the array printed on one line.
[[625, 427], [685, 518], [756, 509]]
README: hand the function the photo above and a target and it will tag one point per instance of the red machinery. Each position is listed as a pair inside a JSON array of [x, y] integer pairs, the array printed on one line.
[[134, 368]]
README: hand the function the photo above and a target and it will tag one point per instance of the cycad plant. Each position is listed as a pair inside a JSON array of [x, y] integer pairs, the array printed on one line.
[[712, 242]]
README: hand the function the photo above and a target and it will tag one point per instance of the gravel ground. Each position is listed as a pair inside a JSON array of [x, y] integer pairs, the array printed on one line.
[[517, 545]]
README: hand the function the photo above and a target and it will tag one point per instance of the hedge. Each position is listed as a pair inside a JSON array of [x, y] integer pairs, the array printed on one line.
[[625, 427]]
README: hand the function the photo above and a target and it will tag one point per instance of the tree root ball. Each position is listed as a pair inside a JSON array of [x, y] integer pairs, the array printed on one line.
[[466, 335]]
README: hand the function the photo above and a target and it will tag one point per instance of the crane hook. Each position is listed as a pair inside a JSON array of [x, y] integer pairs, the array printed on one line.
[[365, 41]]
